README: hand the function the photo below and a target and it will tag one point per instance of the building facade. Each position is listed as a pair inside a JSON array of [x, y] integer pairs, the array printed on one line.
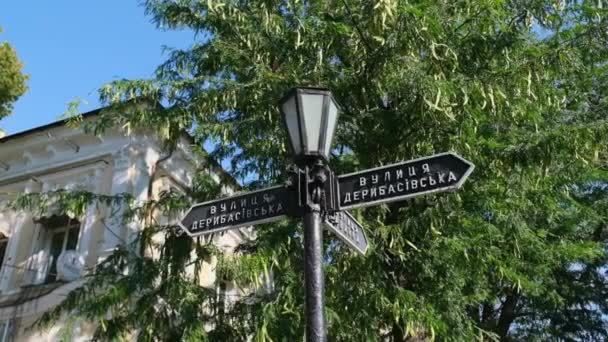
[[33, 276]]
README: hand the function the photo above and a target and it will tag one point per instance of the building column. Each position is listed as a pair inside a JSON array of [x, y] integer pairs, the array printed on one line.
[[141, 181], [19, 245], [113, 228], [92, 228], [131, 174]]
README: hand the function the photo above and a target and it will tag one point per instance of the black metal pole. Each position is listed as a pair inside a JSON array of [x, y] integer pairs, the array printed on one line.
[[315, 284]]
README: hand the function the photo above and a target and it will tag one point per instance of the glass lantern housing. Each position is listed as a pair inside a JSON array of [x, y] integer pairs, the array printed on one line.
[[310, 115]]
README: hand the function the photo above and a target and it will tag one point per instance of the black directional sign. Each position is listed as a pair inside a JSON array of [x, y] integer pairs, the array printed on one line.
[[246, 209], [441, 172], [343, 224], [437, 173], [312, 191]]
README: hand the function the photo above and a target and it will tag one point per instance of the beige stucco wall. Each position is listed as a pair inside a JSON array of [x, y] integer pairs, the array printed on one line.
[[64, 158]]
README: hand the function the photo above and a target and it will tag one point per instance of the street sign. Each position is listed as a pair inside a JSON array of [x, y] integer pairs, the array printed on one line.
[[437, 173], [311, 191], [343, 224], [246, 209]]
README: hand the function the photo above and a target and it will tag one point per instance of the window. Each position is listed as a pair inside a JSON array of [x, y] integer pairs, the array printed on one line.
[[60, 234], [3, 245], [5, 331], [62, 238], [227, 296]]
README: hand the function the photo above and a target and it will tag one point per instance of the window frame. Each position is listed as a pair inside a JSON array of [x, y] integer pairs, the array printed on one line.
[[6, 330], [3, 240], [49, 235]]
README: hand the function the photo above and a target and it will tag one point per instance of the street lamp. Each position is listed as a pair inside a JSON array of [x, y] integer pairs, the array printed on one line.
[[313, 192], [310, 115]]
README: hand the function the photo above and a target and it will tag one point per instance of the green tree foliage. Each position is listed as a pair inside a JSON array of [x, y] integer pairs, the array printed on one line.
[[12, 80], [517, 87]]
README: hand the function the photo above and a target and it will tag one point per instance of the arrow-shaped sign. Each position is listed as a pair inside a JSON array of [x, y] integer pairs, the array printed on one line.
[[246, 209], [343, 224], [437, 173]]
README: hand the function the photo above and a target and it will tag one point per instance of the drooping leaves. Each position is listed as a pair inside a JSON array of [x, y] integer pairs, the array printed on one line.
[[519, 88]]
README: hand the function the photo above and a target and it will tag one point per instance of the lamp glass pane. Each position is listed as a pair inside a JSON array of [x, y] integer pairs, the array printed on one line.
[[291, 118], [332, 119], [312, 107]]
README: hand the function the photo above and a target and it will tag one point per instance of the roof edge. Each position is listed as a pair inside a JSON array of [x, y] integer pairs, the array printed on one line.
[[55, 124], [224, 175]]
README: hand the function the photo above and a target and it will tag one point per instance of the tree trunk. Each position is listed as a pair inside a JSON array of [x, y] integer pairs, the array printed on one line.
[[507, 315]]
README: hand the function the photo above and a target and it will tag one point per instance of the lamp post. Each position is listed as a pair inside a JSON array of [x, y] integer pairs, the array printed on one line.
[[310, 115], [314, 193]]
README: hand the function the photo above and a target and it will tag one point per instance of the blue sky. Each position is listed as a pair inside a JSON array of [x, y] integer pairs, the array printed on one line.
[[70, 48]]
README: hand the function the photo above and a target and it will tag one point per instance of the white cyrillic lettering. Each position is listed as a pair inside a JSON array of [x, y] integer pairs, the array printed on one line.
[[271, 209], [387, 176], [223, 207], [432, 181], [264, 211], [414, 184], [423, 184], [279, 208], [391, 189], [364, 193], [399, 174], [426, 168], [237, 216], [248, 213], [194, 225], [373, 192], [375, 179], [223, 219], [441, 177], [451, 177], [356, 195], [213, 210], [243, 202], [347, 198], [256, 212], [411, 171], [254, 200], [230, 218], [400, 187], [362, 181], [208, 221], [382, 190]]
